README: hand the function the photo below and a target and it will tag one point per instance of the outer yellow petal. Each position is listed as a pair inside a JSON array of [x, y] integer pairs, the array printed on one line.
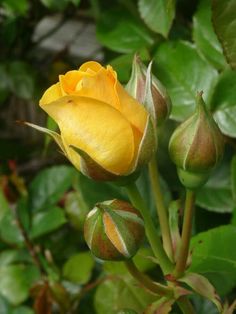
[[52, 93], [97, 128], [132, 109]]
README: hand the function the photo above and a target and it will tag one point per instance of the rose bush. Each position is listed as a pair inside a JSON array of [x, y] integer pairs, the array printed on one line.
[[105, 132]]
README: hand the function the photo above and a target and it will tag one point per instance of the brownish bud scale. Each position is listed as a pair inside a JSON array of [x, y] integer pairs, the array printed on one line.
[[196, 146], [149, 91], [114, 230]]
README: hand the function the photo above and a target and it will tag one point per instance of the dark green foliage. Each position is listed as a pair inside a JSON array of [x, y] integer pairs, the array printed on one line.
[[44, 261]]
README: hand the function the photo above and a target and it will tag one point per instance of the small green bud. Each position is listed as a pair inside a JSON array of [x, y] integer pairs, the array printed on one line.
[[114, 230], [196, 146], [149, 91]]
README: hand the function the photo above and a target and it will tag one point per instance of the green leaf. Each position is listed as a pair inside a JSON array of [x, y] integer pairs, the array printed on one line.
[[233, 187], [233, 177], [55, 4], [100, 191], [158, 14], [22, 310], [224, 20], [115, 294], [4, 306], [16, 281], [202, 286], [121, 32], [216, 195], [4, 207], [184, 72], [205, 37], [213, 256], [76, 2], [9, 231], [16, 7], [22, 81], [8, 257], [49, 185], [142, 260], [203, 306], [224, 102], [76, 209], [122, 65], [48, 221], [78, 268]]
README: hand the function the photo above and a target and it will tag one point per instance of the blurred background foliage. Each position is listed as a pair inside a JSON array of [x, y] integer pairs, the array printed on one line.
[[45, 266]]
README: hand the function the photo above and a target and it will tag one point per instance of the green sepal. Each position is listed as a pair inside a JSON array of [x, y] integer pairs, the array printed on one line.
[[136, 84], [56, 137], [193, 180], [90, 168], [147, 146], [132, 232]]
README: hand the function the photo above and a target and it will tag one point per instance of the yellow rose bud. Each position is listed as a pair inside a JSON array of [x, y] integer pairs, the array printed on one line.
[[104, 131]]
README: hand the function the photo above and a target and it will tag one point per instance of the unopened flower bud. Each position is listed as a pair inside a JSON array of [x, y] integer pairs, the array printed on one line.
[[114, 230], [103, 131], [149, 91], [196, 146]]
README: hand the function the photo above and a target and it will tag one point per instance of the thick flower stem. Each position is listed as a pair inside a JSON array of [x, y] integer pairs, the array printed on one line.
[[185, 306], [146, 281], [152, 235], [186, 234], [161, 210]]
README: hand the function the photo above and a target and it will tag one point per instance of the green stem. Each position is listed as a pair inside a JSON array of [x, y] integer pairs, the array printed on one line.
[[146, 281], [155, 242], [186, 234], [185, 305], [161, 210]]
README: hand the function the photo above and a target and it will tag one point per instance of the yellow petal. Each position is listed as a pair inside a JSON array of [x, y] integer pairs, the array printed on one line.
[[69, 81], [132, 109], [97, 128], [90, 65], [100, 86], [52, 93]]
